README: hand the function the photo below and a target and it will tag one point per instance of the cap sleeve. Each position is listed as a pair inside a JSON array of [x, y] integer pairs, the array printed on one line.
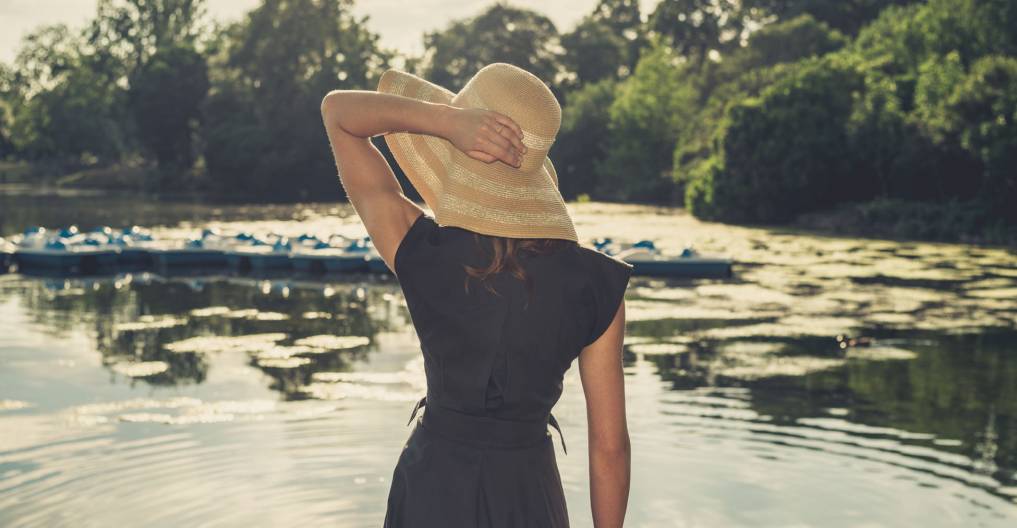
[[409, 247], [608, 282]]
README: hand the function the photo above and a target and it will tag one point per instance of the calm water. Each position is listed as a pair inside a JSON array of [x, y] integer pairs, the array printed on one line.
[[255, 401]]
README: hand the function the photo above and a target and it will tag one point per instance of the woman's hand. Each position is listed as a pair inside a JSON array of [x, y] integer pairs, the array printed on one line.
[[485, 135]]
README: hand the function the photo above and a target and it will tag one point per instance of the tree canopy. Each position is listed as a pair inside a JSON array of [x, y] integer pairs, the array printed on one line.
[[749, 111]]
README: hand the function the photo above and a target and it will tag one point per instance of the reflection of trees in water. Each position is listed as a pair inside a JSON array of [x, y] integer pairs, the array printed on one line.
[[99, 306], [292, 381], [959, 388]]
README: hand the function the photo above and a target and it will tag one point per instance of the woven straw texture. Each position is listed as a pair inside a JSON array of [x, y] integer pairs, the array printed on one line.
[[489, 198]]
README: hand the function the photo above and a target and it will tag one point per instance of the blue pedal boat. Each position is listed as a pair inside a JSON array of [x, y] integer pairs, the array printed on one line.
[[66, 251], [344, 255], [259, 255], [135, 245], [6, 255], [208, 251], [647, 260]]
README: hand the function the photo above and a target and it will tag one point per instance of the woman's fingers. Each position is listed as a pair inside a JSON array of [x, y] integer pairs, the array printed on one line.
[[481, 155], [505, 154], [509, 122], [508, 129], [498, 139]]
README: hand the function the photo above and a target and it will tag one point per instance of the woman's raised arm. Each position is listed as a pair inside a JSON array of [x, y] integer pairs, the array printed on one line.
[[351, 117], [365, 113]]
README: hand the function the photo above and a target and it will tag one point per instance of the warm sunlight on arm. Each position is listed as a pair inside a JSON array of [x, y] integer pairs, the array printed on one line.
[[600, 368]]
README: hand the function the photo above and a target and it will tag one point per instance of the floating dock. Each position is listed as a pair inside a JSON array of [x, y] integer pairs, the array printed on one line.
[[105, 250]]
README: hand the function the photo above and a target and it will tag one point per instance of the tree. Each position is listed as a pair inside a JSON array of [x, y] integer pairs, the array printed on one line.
[[847, 16], [128, 32], [44, 58], [649, 114], [788, 41], [744, 73], [165, 97], [594, 51], [983, 109], [783, 153], [695, 28], [63, 108], [625, 19], [7, 149], [606, 43], [263, 130], [502, 33], [584, 138]]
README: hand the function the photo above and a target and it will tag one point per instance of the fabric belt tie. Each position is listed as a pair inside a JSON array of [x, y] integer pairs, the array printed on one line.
[[484, 430]]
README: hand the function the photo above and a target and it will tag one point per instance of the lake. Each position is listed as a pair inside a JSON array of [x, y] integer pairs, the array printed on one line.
[[232, 400]]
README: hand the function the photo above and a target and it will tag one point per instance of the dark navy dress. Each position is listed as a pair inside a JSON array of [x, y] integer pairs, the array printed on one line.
[[482, 454]]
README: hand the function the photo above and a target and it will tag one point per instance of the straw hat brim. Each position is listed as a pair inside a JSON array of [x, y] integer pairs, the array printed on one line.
[[430, 161]]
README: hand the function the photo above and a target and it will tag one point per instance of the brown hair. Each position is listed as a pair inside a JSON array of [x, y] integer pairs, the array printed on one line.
[[505, 253]]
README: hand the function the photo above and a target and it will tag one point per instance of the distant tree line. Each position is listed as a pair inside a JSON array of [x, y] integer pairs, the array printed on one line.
[[743, 110]]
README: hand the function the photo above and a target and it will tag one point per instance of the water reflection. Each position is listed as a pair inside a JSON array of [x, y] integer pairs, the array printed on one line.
[[165, 331], [832, 383]]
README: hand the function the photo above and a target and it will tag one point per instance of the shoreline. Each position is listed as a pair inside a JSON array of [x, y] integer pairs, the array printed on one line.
[[896, 221]]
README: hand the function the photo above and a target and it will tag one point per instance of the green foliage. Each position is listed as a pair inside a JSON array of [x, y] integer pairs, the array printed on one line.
[[783, 153], [894, 116], [647, 119], [938, 77], [502, 33], [695, 28], [750, 110], [7, 96], [583, 138], [845, 16], [945, 220], [902, 39], [894, 155], [76, 121], [877, 128], [235, 139], [126, 33], [744, 74], [64, 108], [624, 17], [264, 125], [604, 44], [983, 110], [165, 97], [787, 41], [6, 145], [594, 51]]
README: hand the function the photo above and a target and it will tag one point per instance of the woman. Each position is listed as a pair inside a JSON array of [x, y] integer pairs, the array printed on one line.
[[502, 297]]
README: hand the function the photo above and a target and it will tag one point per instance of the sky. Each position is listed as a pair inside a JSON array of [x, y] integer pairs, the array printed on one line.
[[401, 23]]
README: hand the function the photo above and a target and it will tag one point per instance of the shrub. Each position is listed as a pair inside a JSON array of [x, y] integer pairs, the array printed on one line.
[[783, 153]]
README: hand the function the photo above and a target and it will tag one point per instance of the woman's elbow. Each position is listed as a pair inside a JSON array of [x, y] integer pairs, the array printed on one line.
[[330, 103]]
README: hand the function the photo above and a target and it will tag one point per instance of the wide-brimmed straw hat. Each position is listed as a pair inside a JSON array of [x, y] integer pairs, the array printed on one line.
[[489, 198]]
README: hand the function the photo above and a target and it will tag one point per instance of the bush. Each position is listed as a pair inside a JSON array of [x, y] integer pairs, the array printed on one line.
[[897, 155], [651, 110], [783, 153], [745, 73], [583, 139], [983, 111], [165, 96]]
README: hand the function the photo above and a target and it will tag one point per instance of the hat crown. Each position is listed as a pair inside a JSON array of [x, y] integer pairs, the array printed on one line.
[[520, 95], [491, 198]]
